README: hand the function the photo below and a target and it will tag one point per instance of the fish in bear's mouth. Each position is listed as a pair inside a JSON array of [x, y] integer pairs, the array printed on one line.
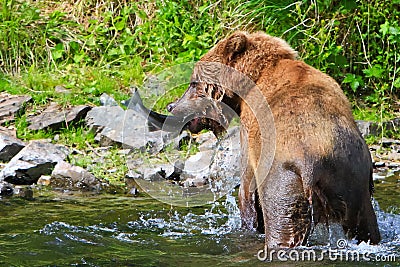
[[194, 122]]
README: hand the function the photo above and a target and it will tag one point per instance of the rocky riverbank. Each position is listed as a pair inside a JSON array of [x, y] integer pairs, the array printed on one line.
[[46, 163]]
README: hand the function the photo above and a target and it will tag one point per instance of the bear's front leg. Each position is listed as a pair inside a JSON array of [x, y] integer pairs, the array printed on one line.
[[247, 200], [250, 209]]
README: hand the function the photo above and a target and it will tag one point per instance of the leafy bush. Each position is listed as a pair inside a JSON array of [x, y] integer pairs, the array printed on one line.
[[357, 42]]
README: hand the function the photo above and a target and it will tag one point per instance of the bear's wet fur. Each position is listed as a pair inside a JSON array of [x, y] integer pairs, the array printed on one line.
[[321, 171]]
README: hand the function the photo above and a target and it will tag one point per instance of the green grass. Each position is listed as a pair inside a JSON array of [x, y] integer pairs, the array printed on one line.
[[59, 43], [109, 165]]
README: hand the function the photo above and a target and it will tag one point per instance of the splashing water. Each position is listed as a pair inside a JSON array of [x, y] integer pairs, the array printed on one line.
[[114, 230]]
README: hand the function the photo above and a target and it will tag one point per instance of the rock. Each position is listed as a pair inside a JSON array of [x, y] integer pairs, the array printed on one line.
[[106, 100], [226, 162], [6, 189], [179, 166], [393, 125], [36, 159], [195, 182], [9, 147], [130, 177], [198, 165], [222, 163], [124, 152], [200, 169], [206, 141], [395, 156], [374, 128], [155, 173], [11, 106], [25, 192], [130, 182], [393, 165], [159, 175], [115, 126], [134, 192], [379, 164], [44, 180], [56, 138], [67, 176], [100, 117], [61, 89], [7, 131], [55, 118], [388, 142], [374, 148], [368, 128]]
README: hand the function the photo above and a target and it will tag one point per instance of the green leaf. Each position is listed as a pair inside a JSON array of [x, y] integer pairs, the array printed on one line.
[[58, 51], [384, 28], [74, 46], [354, 81], [203, 7], [113, 52], [187, 39], [396, 83], [79, 56], [394, 30], [374, 71], [339, 60], [349, 5], [91, 41], [120, 25]]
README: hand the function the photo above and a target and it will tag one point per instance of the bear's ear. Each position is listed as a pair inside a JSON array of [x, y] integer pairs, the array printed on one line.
[[235, 44]]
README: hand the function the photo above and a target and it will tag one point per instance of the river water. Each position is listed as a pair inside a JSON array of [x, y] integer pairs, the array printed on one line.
[[114, 230]]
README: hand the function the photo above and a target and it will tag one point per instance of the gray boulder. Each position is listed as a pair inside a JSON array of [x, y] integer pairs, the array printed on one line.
[[222, 163], [61, 89], [54, 117], [9, 147], [115, 126], [154, 173], [373, 128], [36, 159], [68, 177], [8, 131], [100, 117], [198, 165], [6, 189], [219, 166], [106, 100], [23, 191], [388, 142], [368, 128], [11, 106]]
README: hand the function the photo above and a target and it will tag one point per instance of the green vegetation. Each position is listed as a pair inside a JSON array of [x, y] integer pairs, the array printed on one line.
[[92, 47], [104, 46]]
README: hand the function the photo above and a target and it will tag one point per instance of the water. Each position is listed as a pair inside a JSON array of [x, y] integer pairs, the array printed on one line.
[[114, 230]]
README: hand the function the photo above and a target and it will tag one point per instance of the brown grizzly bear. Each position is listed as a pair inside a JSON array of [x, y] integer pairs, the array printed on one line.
[[320, 171]]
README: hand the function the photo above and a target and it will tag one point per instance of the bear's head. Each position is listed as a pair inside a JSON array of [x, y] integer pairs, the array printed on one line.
[[224, 75]]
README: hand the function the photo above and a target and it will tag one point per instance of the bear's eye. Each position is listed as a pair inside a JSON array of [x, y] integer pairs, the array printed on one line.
[[194, 84]]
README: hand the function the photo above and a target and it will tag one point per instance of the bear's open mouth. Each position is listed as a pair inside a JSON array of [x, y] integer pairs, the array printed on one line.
[[195, 125]]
